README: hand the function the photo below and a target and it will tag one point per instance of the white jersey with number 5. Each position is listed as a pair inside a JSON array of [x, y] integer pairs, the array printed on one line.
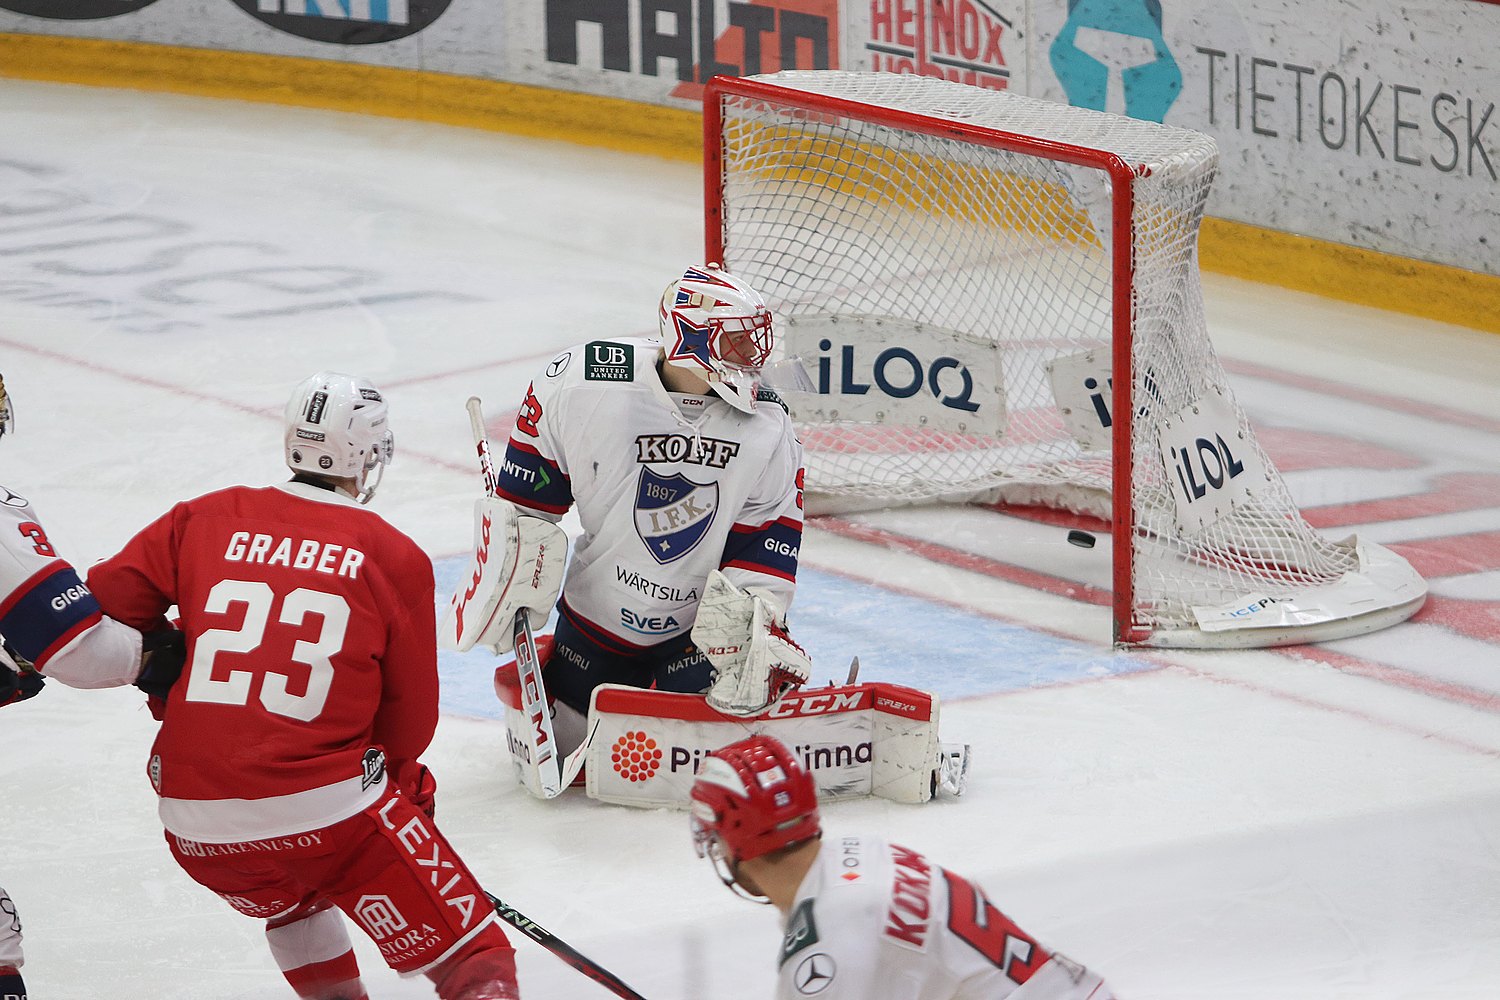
[[876, 921], [668, 486]]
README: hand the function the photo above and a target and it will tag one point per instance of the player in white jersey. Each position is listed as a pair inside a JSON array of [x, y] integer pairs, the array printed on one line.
[[11, 984], [51, 626], [864, 919], [687, 478]]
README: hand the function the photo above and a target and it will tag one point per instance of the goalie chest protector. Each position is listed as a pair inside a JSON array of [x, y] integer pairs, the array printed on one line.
[[667, 486]]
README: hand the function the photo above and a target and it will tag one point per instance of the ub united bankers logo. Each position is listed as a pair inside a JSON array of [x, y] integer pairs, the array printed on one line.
[[346, 22], [673, 513]]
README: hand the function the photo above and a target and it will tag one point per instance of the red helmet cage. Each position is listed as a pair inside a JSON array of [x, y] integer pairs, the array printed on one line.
[[755, 797]]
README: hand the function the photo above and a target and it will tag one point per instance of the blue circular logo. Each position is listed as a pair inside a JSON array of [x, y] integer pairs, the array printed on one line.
[[345, 22]]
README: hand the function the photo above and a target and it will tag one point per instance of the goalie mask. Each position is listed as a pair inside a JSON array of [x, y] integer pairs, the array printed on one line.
[[749, 799], [719, 328], [7, 413], [336, 428]]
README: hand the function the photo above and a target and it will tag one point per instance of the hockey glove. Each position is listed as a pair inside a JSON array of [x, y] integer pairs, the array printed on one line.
[[756, 661], [419, 786], [16, 687], [162, 656]]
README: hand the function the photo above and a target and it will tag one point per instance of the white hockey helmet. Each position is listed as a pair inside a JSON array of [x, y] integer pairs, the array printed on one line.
[[7, 411], [718, 327], [336, 427]]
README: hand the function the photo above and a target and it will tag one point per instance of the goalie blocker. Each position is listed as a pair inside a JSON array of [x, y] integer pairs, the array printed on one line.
[[644, 747]]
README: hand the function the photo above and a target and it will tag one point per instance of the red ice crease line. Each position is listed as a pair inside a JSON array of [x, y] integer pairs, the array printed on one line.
[[1446, 690], [1446, 612], [1374, 720], [178, 390], [948, 556], [1451, 493], [1298, 449], [1452, 555], [1162, 664], [472, 369], [1385, 401], [1473, 618]]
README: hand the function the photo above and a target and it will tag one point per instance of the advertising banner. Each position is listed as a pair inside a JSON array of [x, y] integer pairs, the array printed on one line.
[[1380, 134]]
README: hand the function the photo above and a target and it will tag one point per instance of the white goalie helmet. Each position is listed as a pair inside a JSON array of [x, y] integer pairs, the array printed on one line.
[[718, 327], [336, 427]]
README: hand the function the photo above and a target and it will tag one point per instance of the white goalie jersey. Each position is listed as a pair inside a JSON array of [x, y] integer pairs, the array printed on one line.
[[668, 487], [876, 921]]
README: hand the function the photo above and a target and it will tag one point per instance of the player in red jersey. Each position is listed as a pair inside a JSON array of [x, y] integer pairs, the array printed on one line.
[[287, 763], [864, 919]]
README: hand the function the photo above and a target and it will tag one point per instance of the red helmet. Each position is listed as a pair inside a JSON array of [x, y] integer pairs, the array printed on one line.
[[749, 799]]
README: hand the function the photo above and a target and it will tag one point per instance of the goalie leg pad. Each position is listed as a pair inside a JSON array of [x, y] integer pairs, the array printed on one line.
[[855, 740], [518, 562]]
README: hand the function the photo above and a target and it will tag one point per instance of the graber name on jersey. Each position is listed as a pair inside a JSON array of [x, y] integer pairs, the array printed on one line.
[[294, 553]]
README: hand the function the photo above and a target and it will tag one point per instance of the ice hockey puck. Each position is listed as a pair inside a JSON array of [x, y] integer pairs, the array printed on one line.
[[1082, 539]]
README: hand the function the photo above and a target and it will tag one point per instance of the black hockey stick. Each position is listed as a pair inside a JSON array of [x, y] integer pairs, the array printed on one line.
[[562, 949]]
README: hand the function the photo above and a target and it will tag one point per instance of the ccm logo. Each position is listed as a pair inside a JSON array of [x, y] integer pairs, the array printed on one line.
[[817, 704]]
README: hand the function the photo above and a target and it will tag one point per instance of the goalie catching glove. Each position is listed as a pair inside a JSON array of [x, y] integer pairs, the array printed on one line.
[[518, 564], [743, 634]]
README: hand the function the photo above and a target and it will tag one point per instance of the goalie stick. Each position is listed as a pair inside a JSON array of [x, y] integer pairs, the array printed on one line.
[[543, 745], [562, 949], [547, 777]]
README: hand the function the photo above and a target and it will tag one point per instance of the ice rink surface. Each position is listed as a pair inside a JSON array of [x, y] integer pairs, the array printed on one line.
[[1304, 824]]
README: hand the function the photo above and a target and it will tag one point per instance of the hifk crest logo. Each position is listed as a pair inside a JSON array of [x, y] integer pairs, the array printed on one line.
[[673, 513], [959, 40]]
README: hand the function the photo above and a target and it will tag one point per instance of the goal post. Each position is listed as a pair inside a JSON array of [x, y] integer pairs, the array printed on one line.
[[998, 300]]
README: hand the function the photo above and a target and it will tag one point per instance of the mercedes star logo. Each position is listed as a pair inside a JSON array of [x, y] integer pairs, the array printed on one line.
[[814, 974]]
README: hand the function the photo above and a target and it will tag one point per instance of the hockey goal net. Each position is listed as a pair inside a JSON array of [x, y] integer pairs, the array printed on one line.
[[997, 299]]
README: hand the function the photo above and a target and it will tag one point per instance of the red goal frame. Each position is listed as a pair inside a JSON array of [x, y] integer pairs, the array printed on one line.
[[1122, 233]]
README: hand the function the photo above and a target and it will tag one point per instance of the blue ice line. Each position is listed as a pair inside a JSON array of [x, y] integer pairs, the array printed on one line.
[[898, 638]]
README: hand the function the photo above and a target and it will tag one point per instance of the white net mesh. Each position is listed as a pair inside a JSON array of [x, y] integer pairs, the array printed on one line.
[[889, 249]]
